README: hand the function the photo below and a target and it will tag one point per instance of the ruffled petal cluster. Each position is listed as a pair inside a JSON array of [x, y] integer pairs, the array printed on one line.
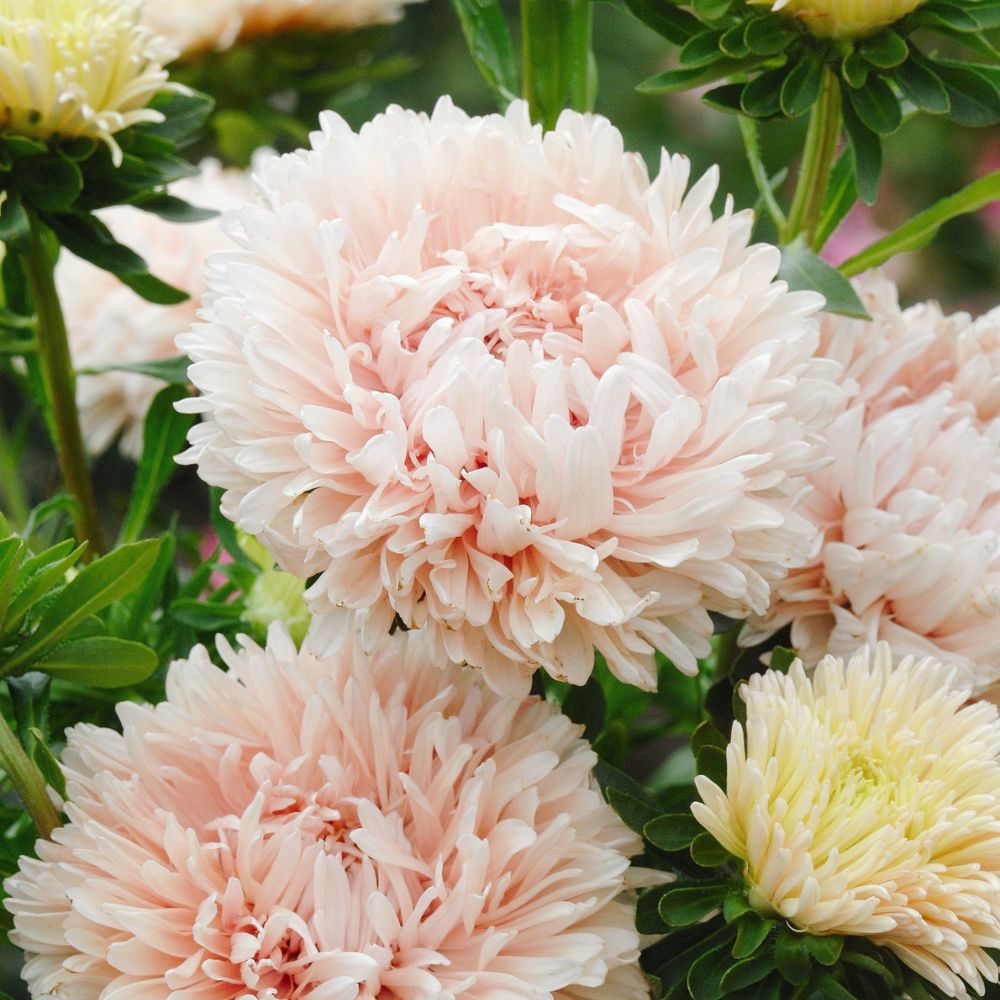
[[502, 387], [330, 827], [195, 26], [909, 508], [865, 800], [844, 18], [108, 323], [74, 68]]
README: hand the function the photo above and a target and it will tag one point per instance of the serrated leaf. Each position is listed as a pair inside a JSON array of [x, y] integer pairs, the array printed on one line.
[[803, 270], [923, 227], [38, 576], [11, 553], [100, 661]]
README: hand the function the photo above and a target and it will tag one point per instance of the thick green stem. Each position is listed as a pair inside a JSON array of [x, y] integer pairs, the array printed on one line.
[[27, 781], [60, 384], [817, 163], [558, 68], [15, 500]]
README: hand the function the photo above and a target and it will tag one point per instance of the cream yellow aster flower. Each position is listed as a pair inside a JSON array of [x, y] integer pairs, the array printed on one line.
[[865, 800], [844, 18], [78, 68]]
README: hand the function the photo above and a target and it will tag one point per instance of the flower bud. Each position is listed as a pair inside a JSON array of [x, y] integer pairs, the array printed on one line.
[[843, 18]]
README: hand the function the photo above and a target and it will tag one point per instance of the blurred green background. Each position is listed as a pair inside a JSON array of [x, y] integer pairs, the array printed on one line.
[[424, 56]]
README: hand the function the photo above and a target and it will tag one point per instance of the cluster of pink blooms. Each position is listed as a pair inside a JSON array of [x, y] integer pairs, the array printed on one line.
[[330, 827], [909, 506], [503, 387]]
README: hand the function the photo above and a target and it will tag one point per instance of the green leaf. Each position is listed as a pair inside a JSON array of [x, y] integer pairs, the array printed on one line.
[[185, 116], [633, 812], [832, 990], [702, 50], [974, 100], [51, 183], [647, 912], [921, 86], [761, 97], [802, 269], [826, 949], [841, 196], [945, 15], [866, 152], [746, 972], [205, 616], [885, 50], [922, 228], [767, 35], [802, 86], [38, 576], [164, 435], [704, 979], [100, 661], [673, 831], [47, 762], [791, 957], [685, 903], [712, 764], [96, 586], [171, 370], [782, 659], [673, 80], [673, 24], [173, 209], [14, 225], [752, 930], [487, 35], [154, 290], [707, 852], [876, 106], [586, 706], [11, 553]]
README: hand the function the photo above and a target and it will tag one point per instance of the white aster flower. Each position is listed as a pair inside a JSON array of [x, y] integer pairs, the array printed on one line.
[[865, 800]]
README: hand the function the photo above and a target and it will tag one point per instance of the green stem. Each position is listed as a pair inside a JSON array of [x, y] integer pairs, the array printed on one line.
[[817, 163], [15, 499], [60, 384], [751, 143], [557, 65], [27, 781]]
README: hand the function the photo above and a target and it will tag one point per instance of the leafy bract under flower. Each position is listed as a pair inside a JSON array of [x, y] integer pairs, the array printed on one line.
[[505, 388], [73, 68], [865, 800], [329, 828]]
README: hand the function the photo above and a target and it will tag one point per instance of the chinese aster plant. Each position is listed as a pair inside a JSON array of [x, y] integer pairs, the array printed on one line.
[[589, 592], [529, 402], [331, 826]]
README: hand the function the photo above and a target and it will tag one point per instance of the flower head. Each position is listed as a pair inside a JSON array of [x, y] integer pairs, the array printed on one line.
[[865, 800], [198, 25], [844, 18], [501, 385], [73, 68], [330, 827], [108, 323], [909, 509]]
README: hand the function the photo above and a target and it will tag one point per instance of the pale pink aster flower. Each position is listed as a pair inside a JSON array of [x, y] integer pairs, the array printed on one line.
[[503, 386], [864, 800], [909, 508], [330, 827], [195, 26], [108, 323]]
